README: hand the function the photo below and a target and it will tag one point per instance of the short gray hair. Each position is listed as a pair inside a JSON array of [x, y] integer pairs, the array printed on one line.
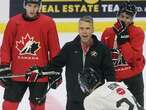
[[87, 19]]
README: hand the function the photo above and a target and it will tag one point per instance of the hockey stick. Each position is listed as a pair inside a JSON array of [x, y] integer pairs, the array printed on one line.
[[50, 73], [39, 100], [12, 76], [23, 75]]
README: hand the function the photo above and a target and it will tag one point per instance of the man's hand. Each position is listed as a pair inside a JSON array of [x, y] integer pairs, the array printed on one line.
[[121, 32], [33, 74], [5, 70]]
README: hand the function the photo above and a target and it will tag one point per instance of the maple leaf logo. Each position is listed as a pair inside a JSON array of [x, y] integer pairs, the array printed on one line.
[[27, 45]]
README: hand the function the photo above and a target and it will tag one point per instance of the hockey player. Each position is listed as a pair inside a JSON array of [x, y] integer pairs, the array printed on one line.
[[109, 96], [126, 43], [28, 38]]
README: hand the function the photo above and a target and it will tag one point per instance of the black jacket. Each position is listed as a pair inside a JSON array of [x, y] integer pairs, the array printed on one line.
[[71, 56]]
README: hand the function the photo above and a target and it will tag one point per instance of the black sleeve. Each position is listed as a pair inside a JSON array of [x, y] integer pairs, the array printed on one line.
[[107, 66], [59, 61]]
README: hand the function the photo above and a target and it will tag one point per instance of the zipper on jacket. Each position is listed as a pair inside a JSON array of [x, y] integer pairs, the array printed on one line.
[[84, 58]]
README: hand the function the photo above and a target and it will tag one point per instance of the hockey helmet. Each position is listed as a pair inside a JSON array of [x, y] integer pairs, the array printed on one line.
[[129, 8], [33, 1], [88, 80]]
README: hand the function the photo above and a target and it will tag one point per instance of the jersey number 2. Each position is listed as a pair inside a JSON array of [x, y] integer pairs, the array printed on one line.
[[125, 100]]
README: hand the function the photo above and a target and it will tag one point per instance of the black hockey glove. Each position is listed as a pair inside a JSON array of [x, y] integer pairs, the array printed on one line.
[[33, 74], [121, 32], [56, 79], [37, 72], [5, 70]]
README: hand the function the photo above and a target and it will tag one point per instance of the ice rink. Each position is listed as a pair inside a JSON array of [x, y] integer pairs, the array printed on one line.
[[56, 99]]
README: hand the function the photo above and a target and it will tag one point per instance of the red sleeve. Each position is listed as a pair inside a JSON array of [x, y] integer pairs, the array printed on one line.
[[108, 37], [104, 36], [53, 40], [6, 47], [133, 50]]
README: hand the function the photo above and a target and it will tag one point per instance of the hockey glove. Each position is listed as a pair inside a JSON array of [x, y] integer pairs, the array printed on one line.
[[55, 80], [121, 31], [5, 70], [33, 74], [119, 26]]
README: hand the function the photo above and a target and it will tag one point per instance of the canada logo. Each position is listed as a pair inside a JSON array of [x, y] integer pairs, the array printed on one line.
[[120, 91], [27, 45]]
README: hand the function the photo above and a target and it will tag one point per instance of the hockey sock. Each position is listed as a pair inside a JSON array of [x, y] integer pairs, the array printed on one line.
[[37, 106], [9, 105]]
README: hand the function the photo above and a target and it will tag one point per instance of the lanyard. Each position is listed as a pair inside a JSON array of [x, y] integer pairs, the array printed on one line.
[[85, 50]]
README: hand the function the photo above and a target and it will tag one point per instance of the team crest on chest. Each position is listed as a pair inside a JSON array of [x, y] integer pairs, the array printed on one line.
[[117, 58], [93, 53], [27, 45]]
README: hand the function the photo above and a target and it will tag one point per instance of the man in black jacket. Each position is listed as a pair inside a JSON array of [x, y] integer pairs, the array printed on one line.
[[83, 52]]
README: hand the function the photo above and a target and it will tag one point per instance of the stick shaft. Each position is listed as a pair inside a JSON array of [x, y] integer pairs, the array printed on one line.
[[12, 76]]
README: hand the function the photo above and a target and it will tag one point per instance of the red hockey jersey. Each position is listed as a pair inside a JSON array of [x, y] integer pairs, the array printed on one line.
[[29, 43], [128, 58]]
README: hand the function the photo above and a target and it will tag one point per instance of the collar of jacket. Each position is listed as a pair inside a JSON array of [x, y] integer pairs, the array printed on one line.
[[78, 39]]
